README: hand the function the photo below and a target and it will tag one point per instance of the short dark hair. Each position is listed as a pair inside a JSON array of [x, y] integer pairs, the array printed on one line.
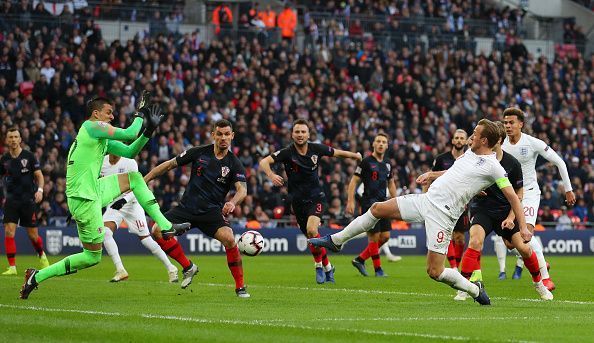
[[14, 128], [514, 111], [490, 131], [383, 134], [222, 123], [300, 121], [96, 104]]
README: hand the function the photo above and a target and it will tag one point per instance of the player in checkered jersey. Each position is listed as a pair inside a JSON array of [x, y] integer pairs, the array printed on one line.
[[526, 150], [126, 208]]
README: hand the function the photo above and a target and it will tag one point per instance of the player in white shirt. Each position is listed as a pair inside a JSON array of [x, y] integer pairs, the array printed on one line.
[[441, 207], [526, 149], [126, 208]]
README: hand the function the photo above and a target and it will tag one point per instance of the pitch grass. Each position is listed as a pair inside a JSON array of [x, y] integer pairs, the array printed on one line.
[[288, 306]]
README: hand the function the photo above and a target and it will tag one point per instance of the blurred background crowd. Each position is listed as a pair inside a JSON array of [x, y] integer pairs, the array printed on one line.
[[351, 78]]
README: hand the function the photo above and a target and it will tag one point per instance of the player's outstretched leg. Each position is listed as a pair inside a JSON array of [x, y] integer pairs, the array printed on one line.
[[362, 223], [69, 265], [147, 200]]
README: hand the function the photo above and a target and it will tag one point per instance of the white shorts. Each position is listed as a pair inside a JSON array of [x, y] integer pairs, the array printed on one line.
[[132, 214], [416, 208], [530, 204]]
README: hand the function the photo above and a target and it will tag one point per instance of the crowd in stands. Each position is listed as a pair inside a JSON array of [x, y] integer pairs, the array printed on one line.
[[348, 93]]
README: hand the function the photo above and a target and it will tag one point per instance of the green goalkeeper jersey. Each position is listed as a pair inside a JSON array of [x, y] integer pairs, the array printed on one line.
[[94, 140]]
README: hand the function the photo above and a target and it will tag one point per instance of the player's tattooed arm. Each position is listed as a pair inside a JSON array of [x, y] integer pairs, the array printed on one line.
[[350, 206], [392, 188], [240, 194], [429, 177], [161, 169]]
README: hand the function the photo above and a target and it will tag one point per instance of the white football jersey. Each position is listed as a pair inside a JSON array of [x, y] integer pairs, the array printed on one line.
[[526, 151], [124, 165], [470, 174]]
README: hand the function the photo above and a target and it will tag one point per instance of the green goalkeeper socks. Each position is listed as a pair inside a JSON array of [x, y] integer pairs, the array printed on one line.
[[147, 200], [70, 264]]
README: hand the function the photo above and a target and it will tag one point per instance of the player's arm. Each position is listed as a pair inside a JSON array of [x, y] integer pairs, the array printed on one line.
[[347, 154], [548, 153], [40, 182], [508, 223], [161, 169], [99, 129], [130, 151], [240, 194], [392, 188], [429, 177], [350, 206], [264, 165], [516, 205]]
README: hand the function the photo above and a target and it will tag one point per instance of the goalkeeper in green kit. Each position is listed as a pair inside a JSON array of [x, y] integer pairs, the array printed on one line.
[[87, 193]]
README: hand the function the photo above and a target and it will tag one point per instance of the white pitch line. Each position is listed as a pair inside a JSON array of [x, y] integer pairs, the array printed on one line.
[[263, 323]]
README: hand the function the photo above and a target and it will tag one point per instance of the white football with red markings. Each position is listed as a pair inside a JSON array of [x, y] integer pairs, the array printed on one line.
[[251, 243]]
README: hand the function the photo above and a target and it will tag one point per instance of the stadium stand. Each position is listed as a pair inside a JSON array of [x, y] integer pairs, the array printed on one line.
[[416, 75]]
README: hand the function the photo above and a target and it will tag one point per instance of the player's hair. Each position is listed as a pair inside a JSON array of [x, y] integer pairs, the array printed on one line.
[[382, 134], [514, 111], [461, 131], [13, 128], [222, 123], [96, 104], [490, 131], [300, 121], [501, 129]]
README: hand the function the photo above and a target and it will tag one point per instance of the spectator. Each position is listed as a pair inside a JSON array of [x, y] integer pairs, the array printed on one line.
[[222, 18], [287, 22], [564, 222]]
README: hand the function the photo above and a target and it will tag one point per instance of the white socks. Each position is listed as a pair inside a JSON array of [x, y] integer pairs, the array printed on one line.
[[112, 249], [454, 279], [542, 264], [362, 223], [156, 250], [501, 252]]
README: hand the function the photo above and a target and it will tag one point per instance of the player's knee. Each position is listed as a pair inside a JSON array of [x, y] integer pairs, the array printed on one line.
[[312, 233], [93, 257], [156, 232], [475, 244], [434, 272]]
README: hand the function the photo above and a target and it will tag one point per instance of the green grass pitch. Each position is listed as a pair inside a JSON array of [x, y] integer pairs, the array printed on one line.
[[288, 306]]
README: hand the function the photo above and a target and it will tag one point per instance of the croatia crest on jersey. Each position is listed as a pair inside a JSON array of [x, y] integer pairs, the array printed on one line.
[[314, 159], [224, 171]]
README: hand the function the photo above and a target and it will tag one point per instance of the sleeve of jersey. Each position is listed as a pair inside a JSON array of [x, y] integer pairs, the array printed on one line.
[[437, 165], [238, 172], [130, 151], [280, 155], [324, 150], [359, 169], [36, 164], [188, 156], [500, 177], [516, 177], [99, 129], [548, 153]]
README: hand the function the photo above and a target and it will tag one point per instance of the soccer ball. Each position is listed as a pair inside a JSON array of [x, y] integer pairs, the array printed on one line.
[[250, 243]]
